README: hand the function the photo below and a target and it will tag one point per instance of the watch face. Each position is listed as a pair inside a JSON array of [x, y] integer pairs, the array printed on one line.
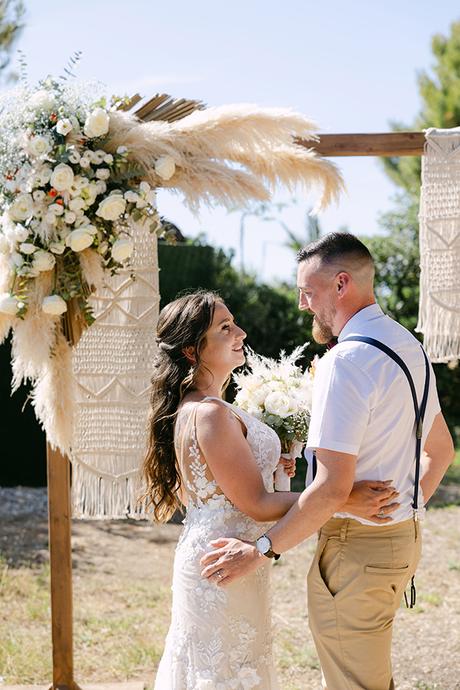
[[263, 544]]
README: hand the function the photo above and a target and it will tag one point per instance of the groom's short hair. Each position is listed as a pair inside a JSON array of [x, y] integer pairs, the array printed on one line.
[[337, 247]]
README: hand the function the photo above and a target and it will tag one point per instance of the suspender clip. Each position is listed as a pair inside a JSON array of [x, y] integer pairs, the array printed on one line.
[[419, 430]]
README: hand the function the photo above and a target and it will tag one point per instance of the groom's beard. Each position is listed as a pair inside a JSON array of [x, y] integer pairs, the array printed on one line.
[[322, 333]]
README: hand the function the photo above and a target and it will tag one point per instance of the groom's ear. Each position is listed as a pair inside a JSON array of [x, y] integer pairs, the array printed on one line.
[[342, 282]]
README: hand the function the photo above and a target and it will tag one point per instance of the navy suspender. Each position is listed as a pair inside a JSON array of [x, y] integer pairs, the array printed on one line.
[[419, 417], [419, 411]]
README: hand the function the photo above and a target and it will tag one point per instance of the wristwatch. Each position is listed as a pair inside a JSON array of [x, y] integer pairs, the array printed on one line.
[[264, 546]]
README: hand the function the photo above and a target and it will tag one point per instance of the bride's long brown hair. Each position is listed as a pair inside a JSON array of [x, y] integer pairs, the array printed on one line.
[[182, 324]]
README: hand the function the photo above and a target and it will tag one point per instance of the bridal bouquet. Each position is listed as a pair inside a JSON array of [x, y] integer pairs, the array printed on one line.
[[65, 202], [278, 392]]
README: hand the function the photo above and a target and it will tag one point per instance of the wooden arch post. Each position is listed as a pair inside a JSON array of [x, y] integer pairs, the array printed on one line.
[[59, 525], [59, 503]]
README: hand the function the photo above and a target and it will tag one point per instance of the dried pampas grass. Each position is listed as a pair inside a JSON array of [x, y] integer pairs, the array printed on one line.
[[229, 155], [92, 268], [53, 396]]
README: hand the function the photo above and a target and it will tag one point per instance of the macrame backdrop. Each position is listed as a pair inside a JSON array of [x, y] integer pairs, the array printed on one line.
[[112, 365], [439, 310]]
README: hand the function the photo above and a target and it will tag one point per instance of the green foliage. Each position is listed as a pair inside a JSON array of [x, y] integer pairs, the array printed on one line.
[[440, 94], [11, 24], [396, 255], [397, 251]]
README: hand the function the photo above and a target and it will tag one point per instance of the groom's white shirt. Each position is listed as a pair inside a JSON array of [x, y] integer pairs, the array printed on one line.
[[362, 404]]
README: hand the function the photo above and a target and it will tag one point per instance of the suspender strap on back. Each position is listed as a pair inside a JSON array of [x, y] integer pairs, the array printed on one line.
[[418, 410]]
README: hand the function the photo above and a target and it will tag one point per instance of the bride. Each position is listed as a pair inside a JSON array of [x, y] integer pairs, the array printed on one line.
[[218, 461]]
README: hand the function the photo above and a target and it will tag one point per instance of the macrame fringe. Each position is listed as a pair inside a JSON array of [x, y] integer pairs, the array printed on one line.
[[441, 331], [97, 497]]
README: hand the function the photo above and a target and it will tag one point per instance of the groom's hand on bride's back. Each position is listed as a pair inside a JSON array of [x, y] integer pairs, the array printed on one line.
[[230, 559], [373, 500]]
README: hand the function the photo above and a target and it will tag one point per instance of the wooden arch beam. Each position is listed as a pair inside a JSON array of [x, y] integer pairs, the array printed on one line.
[[384, 144]]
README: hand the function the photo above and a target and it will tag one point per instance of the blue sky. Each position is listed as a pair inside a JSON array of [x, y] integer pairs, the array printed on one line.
[[350, 66]]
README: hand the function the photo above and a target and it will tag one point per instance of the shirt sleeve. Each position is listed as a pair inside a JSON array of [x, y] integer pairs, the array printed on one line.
[[342, 397]]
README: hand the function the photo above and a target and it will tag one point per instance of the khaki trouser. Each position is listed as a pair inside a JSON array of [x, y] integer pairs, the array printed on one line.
[[355, 585]]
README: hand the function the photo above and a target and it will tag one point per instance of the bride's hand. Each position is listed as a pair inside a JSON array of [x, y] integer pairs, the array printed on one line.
[[373, 500], [230, 559], [289, 465]]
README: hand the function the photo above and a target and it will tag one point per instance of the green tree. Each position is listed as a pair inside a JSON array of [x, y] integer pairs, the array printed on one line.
[[11, 24], [440, 106], [397, 250]]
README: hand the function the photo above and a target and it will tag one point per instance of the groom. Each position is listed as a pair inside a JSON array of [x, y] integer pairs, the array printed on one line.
[[362, 425]]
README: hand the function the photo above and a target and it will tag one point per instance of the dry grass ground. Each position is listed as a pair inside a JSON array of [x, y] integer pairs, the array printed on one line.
[[122, 573]]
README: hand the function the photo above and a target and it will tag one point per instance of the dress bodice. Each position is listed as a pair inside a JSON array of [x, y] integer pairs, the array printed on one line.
[[205, 498]]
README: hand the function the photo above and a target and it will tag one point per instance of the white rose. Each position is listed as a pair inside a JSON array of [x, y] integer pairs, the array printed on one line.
[[97, 123], [50, 218], [122, 249], [42, 100], [85, 161], [22, 207], [62, 177], [122, 149], [103, 173], [108, 158], [27, 248], [38, 146], [78, 240], [111, 207], [101, 187], [16, 260], [54, 304], [147, 192], [278, 404], [64, 126], [57, 209], [70, 217], [81, 220], [131, 197], [98, 156], [43, 261], [74, 156], [44, 174], [165, 167], [39, 196], [76, 204], [20, 233], [8, 304], [57, 247]]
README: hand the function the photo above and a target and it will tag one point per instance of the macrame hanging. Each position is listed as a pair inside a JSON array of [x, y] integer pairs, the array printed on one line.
[[439, 307], [112, 364]]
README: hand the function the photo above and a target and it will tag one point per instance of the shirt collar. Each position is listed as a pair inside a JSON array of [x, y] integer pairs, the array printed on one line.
[[363, 316]]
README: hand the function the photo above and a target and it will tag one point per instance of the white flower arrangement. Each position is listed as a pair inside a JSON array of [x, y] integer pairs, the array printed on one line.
[[62, 194], [278, 392]]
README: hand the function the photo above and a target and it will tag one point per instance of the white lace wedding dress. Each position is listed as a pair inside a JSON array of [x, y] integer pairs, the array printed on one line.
[[220, 638]]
